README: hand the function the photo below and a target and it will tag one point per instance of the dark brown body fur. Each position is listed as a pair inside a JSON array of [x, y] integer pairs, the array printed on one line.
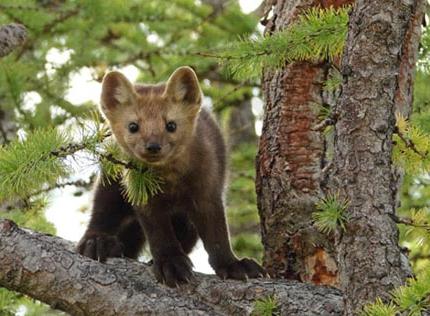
[[189, 207]]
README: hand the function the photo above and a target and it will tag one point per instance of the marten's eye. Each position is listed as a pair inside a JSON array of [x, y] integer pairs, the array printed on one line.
[[171, 126], [133, 127]]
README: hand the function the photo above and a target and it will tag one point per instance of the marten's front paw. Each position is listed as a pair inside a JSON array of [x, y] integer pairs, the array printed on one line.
[[99, 246], [241, 270], [174, 270]]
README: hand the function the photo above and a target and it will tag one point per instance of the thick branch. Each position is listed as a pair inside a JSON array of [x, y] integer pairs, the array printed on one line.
[[11, 36], [44, 267]]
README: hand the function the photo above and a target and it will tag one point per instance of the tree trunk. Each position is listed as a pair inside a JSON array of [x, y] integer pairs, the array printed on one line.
[[45, 268], [290, 162], [377, 67]]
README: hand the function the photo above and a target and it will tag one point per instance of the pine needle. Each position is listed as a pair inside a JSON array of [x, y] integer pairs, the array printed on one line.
[[330, 213]]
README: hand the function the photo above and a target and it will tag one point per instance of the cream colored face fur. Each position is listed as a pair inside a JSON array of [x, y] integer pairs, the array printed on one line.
[[152, 108]]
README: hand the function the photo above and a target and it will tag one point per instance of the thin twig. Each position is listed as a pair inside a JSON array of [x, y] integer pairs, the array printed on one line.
[[409, 222], [112, 159], [324, 123], [72, 148], [219, 105], [410, 144], [77, 183]]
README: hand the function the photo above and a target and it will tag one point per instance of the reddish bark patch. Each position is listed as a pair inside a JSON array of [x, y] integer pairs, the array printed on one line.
[[321, 268], [301, 145]]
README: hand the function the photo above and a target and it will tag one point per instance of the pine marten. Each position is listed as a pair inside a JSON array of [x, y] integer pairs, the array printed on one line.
[[164, 126]]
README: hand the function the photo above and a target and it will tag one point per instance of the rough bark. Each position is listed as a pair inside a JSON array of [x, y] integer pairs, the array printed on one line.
[[11, 36], [290, 162], [45, 268], [377, 67]]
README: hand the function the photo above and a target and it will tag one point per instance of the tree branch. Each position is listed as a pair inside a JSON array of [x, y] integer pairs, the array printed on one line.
[[11, 36], [410, 144], [45, 268], [409, 222]]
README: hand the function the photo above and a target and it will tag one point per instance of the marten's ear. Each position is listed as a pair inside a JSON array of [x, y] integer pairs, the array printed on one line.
[[183, 87], [116, 91]]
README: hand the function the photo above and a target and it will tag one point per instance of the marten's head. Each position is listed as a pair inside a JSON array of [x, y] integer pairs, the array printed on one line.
[[153, 123]]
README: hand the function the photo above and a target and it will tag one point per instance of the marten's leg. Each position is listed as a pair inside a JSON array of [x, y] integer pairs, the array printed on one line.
[[170, 262], [132, 237], [110, 214], [185, 231], [209, 219]]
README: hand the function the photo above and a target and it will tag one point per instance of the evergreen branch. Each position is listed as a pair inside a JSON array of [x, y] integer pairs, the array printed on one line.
[[410, 144], [69, 149], [60, 19], [110, 157], [324, 123], [409, 222], [26, 165], [316, 35], [19, 7], [412, 147], [33, 166]]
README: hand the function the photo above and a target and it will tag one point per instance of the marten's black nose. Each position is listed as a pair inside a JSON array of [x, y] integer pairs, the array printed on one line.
[[153, 148]]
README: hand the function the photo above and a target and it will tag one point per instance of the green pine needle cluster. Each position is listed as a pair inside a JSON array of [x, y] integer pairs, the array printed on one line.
[[266, 307], [411, 299], [412, 147], [379, 309], [318, 34], [414, 296], [416, 236], [140, 184], [26, 165], [330, 213], [420, 220]]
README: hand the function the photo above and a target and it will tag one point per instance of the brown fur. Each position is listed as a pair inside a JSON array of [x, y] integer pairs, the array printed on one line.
[[191, 162]]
